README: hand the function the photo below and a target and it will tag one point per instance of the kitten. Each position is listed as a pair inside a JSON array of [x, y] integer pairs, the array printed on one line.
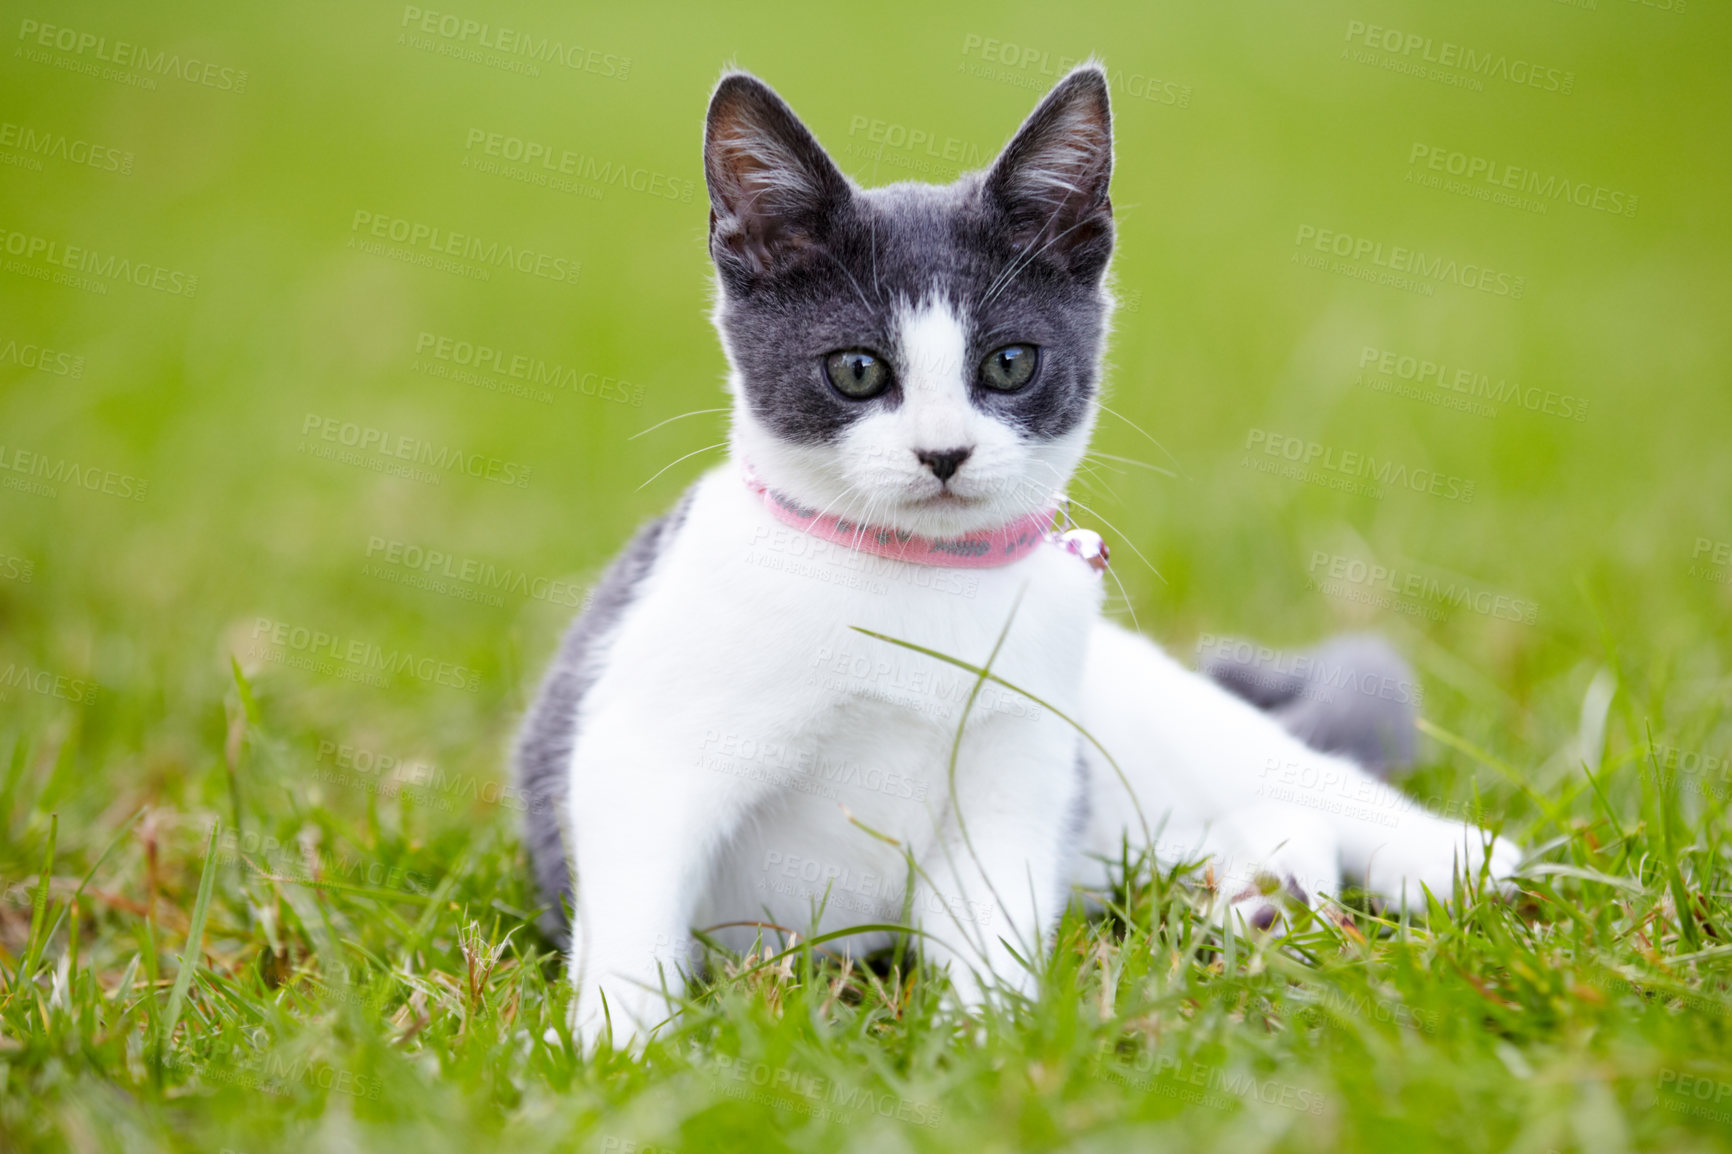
[[723, 743]]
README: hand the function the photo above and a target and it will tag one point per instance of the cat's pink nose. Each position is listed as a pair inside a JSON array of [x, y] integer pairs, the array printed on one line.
[[943, 462]]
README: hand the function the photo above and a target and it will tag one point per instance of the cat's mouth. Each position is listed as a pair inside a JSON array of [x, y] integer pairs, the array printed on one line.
[[945, 499]]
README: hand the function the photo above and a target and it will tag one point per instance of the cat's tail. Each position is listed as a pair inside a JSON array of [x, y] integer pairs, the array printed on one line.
[[1353, 695]]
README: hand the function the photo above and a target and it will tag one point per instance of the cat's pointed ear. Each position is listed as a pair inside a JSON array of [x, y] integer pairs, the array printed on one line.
[[1050, 182], [773, 189]]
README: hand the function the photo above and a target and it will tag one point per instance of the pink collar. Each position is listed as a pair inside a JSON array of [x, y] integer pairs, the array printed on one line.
[[987, 549]]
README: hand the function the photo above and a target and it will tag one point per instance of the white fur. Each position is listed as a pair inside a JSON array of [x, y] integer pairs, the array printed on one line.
[[1217, 777], [721, 647], [744, 755]]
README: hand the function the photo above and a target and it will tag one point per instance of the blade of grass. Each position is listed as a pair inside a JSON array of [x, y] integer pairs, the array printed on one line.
[[194, 940], [38, 914], [1462, 745], [1674, 875], [988, 675]]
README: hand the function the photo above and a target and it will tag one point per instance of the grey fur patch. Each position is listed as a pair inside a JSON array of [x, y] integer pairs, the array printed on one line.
[[549, 733], [809, 264], [1082, 805], [1353, 695]]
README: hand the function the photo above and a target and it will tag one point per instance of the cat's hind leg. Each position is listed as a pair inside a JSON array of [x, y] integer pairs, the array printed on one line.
[[1355, 696], [1198, 758]]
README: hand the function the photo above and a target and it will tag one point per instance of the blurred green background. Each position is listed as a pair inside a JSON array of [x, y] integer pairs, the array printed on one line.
[[258, 149], [1239, 128]]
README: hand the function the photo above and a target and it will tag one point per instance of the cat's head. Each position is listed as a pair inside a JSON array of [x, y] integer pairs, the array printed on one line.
[[916, 356]]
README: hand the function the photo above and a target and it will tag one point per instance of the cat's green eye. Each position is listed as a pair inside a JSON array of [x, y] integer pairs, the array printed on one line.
[[857, 374], [1008, 369]]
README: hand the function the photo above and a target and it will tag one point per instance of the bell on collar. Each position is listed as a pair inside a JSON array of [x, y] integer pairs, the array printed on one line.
[[1087, 544]]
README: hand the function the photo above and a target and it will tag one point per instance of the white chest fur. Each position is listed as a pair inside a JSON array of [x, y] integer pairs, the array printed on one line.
[[764, 754]]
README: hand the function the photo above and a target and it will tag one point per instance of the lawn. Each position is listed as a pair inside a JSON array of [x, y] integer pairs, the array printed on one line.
[[342, 345]]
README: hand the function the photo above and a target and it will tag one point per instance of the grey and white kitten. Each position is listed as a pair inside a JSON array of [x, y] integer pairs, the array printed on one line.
[[718, 745]]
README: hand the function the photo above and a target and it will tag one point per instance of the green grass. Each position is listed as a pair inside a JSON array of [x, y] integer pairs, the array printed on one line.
[[353, 966]]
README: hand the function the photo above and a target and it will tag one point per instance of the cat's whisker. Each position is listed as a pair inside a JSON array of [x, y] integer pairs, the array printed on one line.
[[671, 420], [863, 520], [861, 293], [1105, 408], [1134, 461], [1062, 482], [1090, 471], [1091, 479], [1004, 278], [1023, 261], [671, 464], [1129, 608], [848, 493], [877, 288], [1091, 466], [1095, 513]]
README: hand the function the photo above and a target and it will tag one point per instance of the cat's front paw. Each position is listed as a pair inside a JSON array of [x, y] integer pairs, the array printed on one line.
[[1435, 857], [1269, 863], [972, 984], [1265, 902], [615, 1017]]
